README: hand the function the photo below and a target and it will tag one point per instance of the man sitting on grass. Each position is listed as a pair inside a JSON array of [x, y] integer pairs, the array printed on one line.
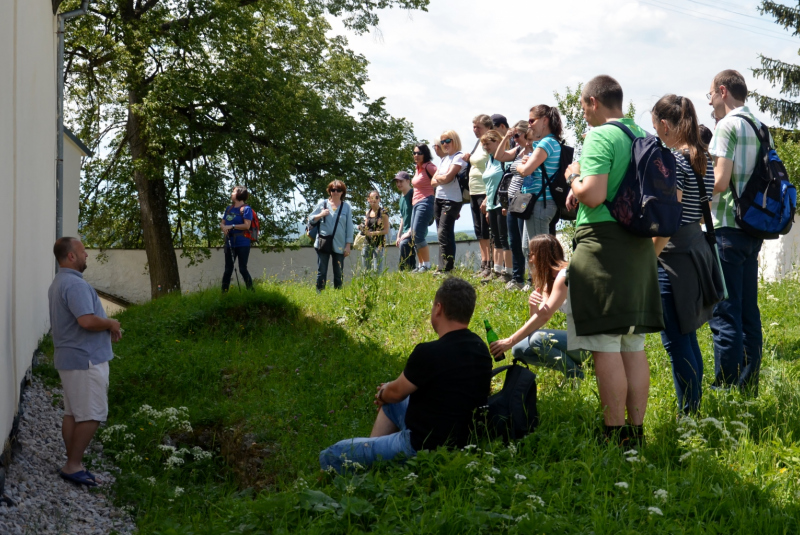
[[432, 402]]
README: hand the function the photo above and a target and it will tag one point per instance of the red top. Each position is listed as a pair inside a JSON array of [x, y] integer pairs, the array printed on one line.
[[422, 182]]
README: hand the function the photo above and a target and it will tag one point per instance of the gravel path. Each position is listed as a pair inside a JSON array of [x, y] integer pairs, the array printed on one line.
[[46, 504]]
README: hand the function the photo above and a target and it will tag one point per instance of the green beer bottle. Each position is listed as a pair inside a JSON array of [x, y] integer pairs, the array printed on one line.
[[491, 336]]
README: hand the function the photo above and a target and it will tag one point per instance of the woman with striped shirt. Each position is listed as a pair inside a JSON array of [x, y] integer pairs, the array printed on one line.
[[522, 137], [686, 262]]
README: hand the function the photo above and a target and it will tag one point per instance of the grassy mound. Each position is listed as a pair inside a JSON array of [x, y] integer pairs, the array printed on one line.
[[221, 404]]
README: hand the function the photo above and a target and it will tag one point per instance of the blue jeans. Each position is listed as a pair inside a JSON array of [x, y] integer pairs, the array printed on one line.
[[242, 254], [421, 219], [683, 350], [408, 260], [322, 269], [515, 241], [736, 324], [372, 258], [548, 348], [367, 451]]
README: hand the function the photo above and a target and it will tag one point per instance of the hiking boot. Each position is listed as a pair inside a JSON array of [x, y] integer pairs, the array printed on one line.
[[513, 285], [506, 277], [487, 270], [490, 277], [481, 269]]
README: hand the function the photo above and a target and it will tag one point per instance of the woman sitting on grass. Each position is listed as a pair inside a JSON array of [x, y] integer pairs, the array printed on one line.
[[531, 343]]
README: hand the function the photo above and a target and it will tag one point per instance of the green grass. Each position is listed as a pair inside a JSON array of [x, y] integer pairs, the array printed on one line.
[[270, 378]]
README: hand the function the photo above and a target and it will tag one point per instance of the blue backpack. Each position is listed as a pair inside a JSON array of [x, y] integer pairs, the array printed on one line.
[[766, 207], [646, 202]]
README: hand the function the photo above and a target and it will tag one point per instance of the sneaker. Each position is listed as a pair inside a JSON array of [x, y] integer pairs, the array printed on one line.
[[506, 277], [421, 269], [486, 271], [526, 288], [513, 285], [440, 272]]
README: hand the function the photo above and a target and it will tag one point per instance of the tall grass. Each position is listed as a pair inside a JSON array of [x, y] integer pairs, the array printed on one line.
[[270, 378]]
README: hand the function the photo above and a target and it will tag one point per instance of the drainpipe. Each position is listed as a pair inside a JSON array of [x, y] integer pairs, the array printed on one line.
[[60, 115]]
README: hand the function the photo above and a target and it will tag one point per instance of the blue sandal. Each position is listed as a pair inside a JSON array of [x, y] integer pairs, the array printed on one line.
[[79, 478]]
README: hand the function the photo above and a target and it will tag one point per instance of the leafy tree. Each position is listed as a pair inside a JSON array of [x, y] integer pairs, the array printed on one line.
[[569, 105], [777, 72], [184, 98]]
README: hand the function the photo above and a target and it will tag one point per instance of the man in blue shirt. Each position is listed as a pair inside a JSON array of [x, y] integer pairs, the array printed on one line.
[[82, 336]]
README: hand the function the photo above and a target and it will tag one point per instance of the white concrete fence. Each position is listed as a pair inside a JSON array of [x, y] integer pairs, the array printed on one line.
[[123, 272]]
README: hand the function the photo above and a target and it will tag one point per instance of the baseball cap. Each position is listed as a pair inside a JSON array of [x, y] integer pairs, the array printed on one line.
[[401, 175], [498, 119]]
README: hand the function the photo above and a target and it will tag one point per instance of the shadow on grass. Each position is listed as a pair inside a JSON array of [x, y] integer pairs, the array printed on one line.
[[265, 383]]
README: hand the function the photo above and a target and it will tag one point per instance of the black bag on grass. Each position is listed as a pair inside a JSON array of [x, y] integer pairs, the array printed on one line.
[[512, 413]]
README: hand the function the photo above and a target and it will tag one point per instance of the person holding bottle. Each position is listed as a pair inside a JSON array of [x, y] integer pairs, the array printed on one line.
[[531, 343]]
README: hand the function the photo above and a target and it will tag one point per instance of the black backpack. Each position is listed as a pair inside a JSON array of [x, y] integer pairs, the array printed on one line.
[[511, 413], [501, 195], [646, 202], [766, 207], [463, 176], [559, 189]]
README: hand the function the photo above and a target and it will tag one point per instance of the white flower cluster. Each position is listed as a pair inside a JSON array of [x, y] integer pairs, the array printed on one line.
[[655, 511], [173, 461], [472, 466], [520, 477], [178, 491], [535, 500], [494, 470], [175, 418], [512, 449], [151, 481], [621, 484], [661, 494], [632, 456], [109, 431], [411, 477], [521, 518]]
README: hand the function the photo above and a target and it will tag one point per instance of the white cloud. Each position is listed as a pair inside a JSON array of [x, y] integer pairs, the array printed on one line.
[[464, 57]]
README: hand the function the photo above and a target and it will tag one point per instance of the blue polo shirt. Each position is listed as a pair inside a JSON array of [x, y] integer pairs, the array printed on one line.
[[70, 298]]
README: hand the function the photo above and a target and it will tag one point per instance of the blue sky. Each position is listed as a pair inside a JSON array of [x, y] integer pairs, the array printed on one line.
[[440, 68]]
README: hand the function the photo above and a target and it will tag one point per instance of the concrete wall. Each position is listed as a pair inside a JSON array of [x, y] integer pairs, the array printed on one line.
[[780, 257], [27, 183], [123, 272]]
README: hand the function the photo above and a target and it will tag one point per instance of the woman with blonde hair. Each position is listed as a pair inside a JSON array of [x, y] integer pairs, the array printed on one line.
[[335, 237], [531, 343], [447, 206]]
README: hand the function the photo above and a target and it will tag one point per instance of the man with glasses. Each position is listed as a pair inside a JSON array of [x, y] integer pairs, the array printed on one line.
[[736, 324]]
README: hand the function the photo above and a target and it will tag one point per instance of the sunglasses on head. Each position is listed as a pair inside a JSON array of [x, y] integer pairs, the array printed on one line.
[[448, 140], [336, 190]]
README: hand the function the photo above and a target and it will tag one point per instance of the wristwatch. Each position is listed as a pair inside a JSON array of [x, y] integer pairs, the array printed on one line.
[[571, 178]]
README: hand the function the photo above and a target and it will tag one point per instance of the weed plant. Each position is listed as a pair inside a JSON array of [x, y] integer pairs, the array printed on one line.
[[245, 389]]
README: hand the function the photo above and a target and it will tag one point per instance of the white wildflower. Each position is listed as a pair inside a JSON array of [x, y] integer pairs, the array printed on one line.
[[469, 447], [750, 403], [633, 459], [621, 484], [472, 466], [151, 480], [745, 415], [512, 449], [685, 456], [655, 511], [661, 494], [129, 436], [173, 462], [522, 517], [178, 491], [520, 477], [536, 500], [631, 452], [488, 478], [495, 470], [489, 453], [411, 477], [200, 455], [774, 324], [165, 447]]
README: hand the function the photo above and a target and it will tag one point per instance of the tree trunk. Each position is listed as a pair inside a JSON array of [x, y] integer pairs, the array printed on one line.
[[153, 209]]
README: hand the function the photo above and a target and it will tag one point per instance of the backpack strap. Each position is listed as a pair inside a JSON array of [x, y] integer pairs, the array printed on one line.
[[624, 128], [430, 176], [514, 362], [704, 200]]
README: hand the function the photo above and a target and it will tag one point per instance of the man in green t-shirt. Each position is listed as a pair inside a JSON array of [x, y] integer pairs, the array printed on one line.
[[613, 282], [407, 257]]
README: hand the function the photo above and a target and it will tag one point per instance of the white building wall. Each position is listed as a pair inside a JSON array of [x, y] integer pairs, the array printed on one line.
[[73, 156], [27, 186]]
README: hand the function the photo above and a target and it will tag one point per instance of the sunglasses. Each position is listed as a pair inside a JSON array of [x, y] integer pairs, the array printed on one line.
[[336, 190], [531, 121], [448, 140], [417, 153], [516, 136]]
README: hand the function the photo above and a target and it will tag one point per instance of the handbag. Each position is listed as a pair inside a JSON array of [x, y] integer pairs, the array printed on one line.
[[710, 235], [312, 229], [326, 242], [521, 205]]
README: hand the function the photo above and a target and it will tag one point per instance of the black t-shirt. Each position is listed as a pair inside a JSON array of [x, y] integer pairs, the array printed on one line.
[[453, 377]]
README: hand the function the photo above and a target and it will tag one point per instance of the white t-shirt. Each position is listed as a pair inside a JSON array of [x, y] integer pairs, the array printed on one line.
[[565, 305], [450, 191]]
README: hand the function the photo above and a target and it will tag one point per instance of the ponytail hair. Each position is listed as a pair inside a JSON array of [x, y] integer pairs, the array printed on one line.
[[679, 113], [553, 119]]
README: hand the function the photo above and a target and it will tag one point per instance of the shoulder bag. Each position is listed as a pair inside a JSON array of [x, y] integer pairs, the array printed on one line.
[[326, 242]]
